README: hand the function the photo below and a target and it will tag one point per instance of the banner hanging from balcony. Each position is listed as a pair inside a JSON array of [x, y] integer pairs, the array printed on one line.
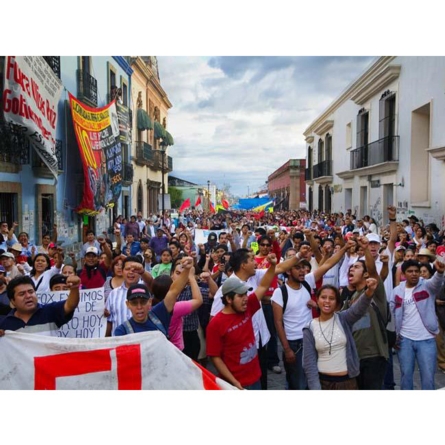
[[98, 137], [30, 98]]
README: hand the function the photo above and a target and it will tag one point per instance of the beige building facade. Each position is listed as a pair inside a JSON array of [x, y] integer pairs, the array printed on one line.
[[151, 140]]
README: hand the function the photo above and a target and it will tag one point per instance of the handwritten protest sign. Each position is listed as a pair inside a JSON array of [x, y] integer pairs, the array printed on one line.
[[88, 320]]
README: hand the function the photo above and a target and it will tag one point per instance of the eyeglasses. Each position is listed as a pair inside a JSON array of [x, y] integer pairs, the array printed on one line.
[[265, 245], [139, 301]]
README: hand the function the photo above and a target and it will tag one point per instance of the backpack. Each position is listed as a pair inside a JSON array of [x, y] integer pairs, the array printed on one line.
[[285, 294], [153, 318], [388, 336]]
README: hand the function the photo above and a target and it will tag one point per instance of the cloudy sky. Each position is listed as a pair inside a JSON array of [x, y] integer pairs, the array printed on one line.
[[237, 119]]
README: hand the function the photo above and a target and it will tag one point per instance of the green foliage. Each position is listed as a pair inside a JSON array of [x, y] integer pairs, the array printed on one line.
[[175, 197]]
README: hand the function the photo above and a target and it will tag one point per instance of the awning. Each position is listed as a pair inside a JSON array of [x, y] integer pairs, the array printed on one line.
[[159, 131], [168, 139], [144, 121]]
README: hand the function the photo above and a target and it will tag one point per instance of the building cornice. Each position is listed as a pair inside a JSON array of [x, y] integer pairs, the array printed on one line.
[[309, 139], [376, 84], [437, 153], [324, 127], [151, 79], [369, 74]]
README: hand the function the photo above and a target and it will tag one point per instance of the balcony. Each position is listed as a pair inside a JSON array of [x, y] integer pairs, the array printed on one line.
[[87, 88], [378, 152], [168, 166], [41, 170], [54, 63], [127, 174], [14, 148], [322, 170], [145, 155]]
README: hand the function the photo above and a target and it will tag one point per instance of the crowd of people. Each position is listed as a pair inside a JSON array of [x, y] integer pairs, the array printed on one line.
[[341, 294]]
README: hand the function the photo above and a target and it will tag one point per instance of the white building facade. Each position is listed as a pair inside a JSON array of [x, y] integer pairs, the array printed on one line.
[[382, 142]]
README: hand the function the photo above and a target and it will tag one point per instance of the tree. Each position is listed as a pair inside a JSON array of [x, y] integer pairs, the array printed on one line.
[[175, 197]]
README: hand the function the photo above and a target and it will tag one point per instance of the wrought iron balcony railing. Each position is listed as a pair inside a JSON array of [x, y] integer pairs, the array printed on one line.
[[323, 168], [87, 87], [145, 155], [308, 174], [378, 152], [14, 145]]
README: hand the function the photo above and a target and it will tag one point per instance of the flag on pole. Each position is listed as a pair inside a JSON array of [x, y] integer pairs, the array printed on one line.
[[198, 201], [185, 205], [225, 203], [212, 209]]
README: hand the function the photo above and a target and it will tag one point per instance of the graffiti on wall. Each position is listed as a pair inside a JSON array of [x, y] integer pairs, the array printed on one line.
[[376, 212]]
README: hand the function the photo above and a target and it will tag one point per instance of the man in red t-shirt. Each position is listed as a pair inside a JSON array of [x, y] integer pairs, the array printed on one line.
[[230, 337]]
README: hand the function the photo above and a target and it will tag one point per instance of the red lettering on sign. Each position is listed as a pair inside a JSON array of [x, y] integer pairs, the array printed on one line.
[[48, 368]]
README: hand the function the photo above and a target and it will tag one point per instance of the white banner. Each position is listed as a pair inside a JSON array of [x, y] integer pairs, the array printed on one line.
[[131, 362], [30, 98], [88, 320], [201, 235]]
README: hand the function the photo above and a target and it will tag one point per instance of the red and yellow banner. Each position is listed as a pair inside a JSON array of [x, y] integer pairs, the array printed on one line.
[[97, 134]]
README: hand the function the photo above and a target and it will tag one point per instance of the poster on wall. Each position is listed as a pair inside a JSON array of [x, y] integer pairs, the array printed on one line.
[[30, 97], [123, 115], [97, 134]]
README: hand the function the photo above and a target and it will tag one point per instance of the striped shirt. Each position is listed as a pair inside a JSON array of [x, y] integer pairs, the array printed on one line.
[[191, 321], [117, 307]]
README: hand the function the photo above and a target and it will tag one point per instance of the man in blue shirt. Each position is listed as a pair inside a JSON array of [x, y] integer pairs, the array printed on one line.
[[30, 316]]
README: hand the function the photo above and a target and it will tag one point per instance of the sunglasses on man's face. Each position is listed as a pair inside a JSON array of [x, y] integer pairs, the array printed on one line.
[[265, 245]]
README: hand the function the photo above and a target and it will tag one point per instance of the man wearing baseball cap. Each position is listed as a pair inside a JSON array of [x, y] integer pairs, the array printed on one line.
[[230, 336], [94, 272], [146, 318], [7, 260]]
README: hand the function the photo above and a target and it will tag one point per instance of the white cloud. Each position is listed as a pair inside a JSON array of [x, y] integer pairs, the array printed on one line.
[[237, 119]]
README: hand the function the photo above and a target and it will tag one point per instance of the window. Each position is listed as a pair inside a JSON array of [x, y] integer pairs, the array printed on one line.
[[362, 137], [124, 87], [387, 125], [387, 115], [320, 150], [86, 64], [362, 128], [112, 85], [328, 148], [140, 197], [320, 198]]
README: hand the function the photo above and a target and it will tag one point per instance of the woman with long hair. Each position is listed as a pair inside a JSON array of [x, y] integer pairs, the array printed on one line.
[[42, 271], [330, 358], [117, 278]]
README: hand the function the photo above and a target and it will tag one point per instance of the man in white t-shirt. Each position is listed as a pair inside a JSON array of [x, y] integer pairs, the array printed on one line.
[[413, 307], [297, 314]]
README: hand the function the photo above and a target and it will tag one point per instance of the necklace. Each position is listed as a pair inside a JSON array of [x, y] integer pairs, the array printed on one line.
[[329, 342]]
